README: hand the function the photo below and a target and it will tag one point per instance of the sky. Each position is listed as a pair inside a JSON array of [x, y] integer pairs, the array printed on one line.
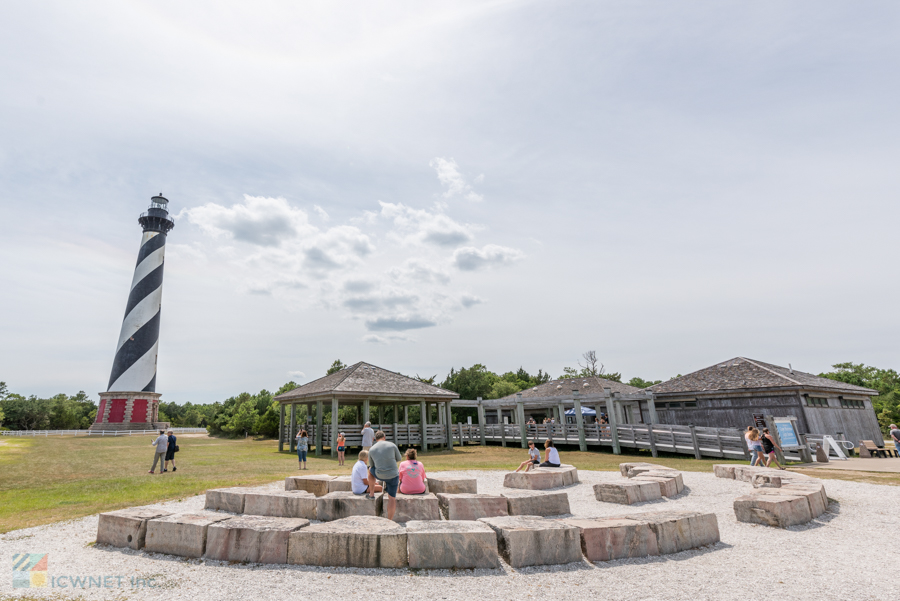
[[432, 185]]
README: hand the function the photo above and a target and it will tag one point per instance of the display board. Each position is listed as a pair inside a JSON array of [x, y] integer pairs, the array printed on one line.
[[787, 433]]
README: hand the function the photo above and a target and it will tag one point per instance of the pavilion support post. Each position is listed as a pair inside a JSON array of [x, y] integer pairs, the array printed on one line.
[[481, 422], [394, 424], [380, 415], [406, 415], [358, 412], [579, 420], [448, 424], [561, 411], [694, 440], [293, 430], [308, 420], [520, 417], [502, 426], [334, 425], [651, 412], [613, 421], [365, 411], [319, 422], [281, 428], [423, 418]]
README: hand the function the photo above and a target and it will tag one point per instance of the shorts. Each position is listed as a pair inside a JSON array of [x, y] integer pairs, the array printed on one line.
[[535, 462], [548, 464], [341, 449], [170, 455], [301, 455], [390, 485]]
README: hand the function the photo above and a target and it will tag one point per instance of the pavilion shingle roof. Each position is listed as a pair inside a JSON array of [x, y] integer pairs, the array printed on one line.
[[742, 373], [366, 379], [563, 388]]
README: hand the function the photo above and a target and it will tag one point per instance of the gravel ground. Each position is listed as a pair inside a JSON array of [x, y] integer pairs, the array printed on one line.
[[850, 552]]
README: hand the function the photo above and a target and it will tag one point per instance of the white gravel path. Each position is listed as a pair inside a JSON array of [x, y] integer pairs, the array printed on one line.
[[831, 558]]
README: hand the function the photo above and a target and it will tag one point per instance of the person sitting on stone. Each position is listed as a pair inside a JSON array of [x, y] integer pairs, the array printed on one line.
[[412, 475], [534, 457], [383, 458], [359, 477], [552, 457]]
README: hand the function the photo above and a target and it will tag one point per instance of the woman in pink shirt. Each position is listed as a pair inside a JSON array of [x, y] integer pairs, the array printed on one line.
[[412, 475]]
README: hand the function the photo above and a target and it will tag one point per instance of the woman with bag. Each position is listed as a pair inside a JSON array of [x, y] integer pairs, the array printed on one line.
[[170, 453]]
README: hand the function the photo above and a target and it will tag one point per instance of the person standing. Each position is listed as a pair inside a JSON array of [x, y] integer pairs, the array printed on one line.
[[170, 452], [769, 446], [302, 448], [368, 436], [534, 457], [383, 458], [161, 443], [895, 436], [412, 475], [552, 456], [755, 446], [342, 447]]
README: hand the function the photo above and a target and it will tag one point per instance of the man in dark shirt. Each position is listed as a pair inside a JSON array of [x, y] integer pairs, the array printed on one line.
[[895, 436], [170, 453]]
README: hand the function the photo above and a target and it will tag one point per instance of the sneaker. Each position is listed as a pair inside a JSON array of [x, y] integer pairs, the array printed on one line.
[[150, 472], [174, 469], [164, 471]]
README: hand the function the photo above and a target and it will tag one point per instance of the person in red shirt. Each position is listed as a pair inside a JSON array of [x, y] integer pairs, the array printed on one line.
[[412, 475]]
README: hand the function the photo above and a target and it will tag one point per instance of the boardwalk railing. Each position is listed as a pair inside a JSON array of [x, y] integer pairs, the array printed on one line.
[[97, 432]]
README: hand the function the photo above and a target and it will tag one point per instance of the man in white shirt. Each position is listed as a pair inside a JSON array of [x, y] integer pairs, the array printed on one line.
[[359, 477], [368, 436], [162, 444]]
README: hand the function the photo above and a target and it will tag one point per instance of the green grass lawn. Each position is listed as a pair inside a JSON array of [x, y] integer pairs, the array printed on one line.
[[44, 480]]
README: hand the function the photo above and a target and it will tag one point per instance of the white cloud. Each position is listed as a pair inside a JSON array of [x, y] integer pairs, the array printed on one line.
[[420, 272], [448, 174], [296, 374], [376, 339], [470, 258], [323, 215], [470, 300], [259, 220], [420, 226]]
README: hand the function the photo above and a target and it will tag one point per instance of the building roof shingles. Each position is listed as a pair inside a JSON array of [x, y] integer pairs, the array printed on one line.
[[364, 378], [563, 388]]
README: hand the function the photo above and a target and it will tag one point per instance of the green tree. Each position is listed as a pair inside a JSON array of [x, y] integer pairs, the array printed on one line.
[[338, 365], [244, 419], [287, 387], [591, 368], [642, 383], [886, 381], [472, 382], [267, 424]]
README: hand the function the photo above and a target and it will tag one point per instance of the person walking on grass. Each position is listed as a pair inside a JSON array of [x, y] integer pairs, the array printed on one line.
[[895, 436], [552, 456], [342, 447], [170, 452], [302, 448], [534, 457], [161, 443], [769, 446], [383, 458], [368, 435], [412, 475]]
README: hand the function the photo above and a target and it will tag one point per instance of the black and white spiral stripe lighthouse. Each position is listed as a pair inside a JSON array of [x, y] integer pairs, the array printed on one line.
[[134, 368]]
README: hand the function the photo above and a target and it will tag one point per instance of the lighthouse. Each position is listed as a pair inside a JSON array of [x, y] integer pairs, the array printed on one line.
[[131, 401]]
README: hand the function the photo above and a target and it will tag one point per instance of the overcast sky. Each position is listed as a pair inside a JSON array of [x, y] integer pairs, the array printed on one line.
[[423, 185]]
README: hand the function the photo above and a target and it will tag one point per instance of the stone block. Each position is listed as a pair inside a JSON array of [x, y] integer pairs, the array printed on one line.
[[667, 486], [669, 474], [251, 538], [533, 541], [413, 507], [542, 478], [182, 534], [227, 499], [813, 494], [465, 506], [536, 502], [627, 492], [680, 530], [281, 504], [343, 504], [354, 542], [724, 471], [451, 485], [317, 485], [340, 483], [765, 481], [606, 539], [630, 470], [128, 527], [773, 509], [451, 544]]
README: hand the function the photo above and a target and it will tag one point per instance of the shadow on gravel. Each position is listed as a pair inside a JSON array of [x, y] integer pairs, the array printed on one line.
[[655, 559]]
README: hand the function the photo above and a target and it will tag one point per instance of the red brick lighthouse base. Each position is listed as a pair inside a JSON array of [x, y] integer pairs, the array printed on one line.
[[128, 411]]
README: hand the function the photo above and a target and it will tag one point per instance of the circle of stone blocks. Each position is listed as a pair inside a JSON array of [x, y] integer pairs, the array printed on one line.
[[466, 506], [317, 485], [533, 541], [340, 483], [227, 499], [452, 484], [251, 538], [451, 544], [413, 507], [281, 504], [181, 534], [354, 542], [126, 527], [628, 492], [536, 502], [343, 504], [542, 478], [780, 498]]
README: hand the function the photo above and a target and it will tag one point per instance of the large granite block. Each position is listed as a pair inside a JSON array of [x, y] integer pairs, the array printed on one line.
[[724, 470], [413, 507], [227, 499], [669, 475], [765, 481], [536, 502], [812, 495], [182, 534], [668, 487], [343, 504], [630, 470], [339, 484], [252, 539], [627, 492], [317, 485], [606, 539], [438, 483], [534, 541], [780, 510], [680, 530], [451, 544], [465, 506], [128, 527], [542, 478], [281, 504], [358, 542]]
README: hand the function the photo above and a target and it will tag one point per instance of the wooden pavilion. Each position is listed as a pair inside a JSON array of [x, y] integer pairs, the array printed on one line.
[[367, 387]]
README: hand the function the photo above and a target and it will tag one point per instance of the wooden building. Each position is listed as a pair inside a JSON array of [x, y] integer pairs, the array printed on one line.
[[729, 394]]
